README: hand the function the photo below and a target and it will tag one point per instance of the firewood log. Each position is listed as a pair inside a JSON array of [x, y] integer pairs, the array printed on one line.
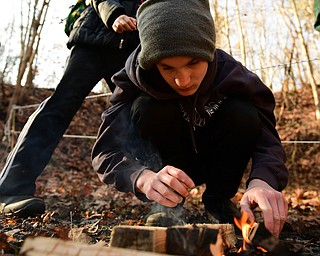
[[178, 240], [44, 246]]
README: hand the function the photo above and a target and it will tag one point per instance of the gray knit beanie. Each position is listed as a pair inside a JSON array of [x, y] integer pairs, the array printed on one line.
[[175, 28]]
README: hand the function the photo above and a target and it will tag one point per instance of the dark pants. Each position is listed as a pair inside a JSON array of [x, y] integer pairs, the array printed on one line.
[[224, 145], [86, 66]]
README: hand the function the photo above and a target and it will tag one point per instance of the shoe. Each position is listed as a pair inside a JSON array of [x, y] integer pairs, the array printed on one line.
[[22, 206], [222, 212], [161, 216]]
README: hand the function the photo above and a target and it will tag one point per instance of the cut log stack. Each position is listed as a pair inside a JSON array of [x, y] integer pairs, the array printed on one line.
[[204, 239]]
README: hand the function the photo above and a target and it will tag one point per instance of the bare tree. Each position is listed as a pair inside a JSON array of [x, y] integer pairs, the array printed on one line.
[[227, 25], [30, 38], [305, 50], [8, 59], [241, 35]]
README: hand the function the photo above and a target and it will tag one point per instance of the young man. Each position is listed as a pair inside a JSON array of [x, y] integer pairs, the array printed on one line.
[[185, 113], [101, 40]]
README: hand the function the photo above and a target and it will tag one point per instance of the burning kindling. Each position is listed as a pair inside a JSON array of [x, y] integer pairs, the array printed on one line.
[[257, 236]]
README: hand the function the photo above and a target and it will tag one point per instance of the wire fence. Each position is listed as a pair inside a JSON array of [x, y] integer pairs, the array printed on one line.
[[10, 126], [10, 132]]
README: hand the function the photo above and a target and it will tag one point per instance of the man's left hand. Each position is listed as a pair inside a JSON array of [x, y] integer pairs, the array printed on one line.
[[272, 203]]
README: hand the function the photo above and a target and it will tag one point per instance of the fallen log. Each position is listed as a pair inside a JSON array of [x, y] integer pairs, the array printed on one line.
[[44, 246], [200, 239]]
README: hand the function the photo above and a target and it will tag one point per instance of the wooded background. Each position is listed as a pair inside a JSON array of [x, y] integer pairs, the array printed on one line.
[[275, 39]]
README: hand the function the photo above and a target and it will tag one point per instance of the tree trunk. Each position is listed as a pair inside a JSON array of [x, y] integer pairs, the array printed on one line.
[[228, 28], [31, 33], [305, 50], [241, 36]]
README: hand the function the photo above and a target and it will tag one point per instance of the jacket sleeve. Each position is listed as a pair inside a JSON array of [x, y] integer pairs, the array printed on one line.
[[268, 159], [108, 10], [113, 156], [110, 157]]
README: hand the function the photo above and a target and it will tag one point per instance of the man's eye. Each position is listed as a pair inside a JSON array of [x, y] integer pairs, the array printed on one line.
[[194, 62]]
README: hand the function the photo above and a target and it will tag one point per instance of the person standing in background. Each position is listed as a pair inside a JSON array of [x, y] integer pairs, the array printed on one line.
[[102, 38]]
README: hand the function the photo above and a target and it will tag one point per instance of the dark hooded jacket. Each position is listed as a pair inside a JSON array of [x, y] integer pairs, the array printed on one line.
[[94, 26], [225, 78]]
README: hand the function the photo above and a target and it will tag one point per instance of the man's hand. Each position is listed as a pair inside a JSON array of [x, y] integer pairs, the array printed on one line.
[[272, 203], [124, 23], [167, 187]]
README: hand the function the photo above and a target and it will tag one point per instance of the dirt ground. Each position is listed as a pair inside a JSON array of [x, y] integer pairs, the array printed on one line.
[[81, 208]]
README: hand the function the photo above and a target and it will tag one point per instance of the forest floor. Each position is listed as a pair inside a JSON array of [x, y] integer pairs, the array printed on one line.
[[81, 208]]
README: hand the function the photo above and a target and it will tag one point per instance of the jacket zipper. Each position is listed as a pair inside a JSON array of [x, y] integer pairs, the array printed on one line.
[[192, 125]]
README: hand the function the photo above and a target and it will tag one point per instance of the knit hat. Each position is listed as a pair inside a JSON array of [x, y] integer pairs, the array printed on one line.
[[170, 28]]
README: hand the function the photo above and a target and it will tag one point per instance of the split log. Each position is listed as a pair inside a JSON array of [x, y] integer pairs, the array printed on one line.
[[44, 246], [178, 240], [143, 238], [227, 232], [194, 240]]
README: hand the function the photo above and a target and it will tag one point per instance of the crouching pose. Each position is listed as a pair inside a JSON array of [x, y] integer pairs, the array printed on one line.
[[185, 113]]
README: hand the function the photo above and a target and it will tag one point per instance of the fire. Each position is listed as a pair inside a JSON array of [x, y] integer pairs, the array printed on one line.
[[246, 226]]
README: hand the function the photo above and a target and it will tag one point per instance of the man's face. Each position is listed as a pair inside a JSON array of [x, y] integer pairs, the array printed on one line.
[[183, 74]]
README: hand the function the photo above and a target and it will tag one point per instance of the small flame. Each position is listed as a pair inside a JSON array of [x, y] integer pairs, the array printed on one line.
[[262, 249], [245, 225]]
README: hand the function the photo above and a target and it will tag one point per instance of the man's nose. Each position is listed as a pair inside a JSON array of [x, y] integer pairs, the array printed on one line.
[[182, 79]]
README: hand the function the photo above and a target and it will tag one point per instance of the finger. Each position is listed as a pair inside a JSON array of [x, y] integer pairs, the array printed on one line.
[[245, 206], [127, 24], [117, 27], [181, 176], [167, 192], [276, 214], [157, 197], [173, 183], [280, 210], [132, 23], [283, 210], [267, 211]]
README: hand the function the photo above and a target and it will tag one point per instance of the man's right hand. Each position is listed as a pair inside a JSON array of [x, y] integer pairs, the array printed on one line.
[[167, 187], [124, 23]]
